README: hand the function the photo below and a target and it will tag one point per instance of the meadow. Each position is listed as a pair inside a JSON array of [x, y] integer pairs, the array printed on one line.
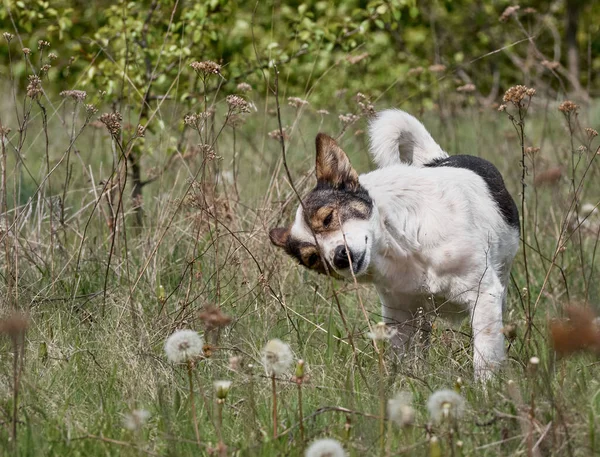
[[127, 220]]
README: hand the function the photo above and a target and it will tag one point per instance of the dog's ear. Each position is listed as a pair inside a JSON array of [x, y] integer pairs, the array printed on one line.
[[333, 165], [279, 236]]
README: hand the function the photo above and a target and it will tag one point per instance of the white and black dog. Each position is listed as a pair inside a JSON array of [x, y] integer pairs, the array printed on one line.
[[423, 226]]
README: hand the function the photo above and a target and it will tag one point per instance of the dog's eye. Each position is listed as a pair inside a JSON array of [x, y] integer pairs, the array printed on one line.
[[314, 257], [328, 220]]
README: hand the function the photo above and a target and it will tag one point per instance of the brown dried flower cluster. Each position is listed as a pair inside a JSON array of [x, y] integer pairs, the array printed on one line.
[[548, 177], [42, 44], [367, 108], [415, 71], [235, 121], [529, 10], [52, 56], [348, 119], [213, 317], [140, 131], [508, 12], [90, 110], [516, 94], [466, 88], [244, 87], [26, 51], [195, 119], [112, 121], [208, 67], [568, 107], [8, 36], [4, 131], [591, 133], [45, 69], [578, 332], [34, 88], [77, 95], [322, 112], [237, 104], [297, 102], [353, 60], [437, 68], [532, 151], [550, 64], [277, 134]]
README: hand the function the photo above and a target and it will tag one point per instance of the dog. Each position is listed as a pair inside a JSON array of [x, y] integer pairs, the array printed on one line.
[[423, 228]]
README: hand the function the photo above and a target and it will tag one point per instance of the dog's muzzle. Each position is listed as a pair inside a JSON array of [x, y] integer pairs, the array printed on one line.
[[340, 257]]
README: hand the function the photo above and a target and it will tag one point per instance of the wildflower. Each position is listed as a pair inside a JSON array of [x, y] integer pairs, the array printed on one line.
[[415, 71], [34, 88], [400, 409], [90, 110], [508, 12], [581, 148], [353, 60], [325, 447], [244, 87], [322, 112], [77, 95], [112, 121], [466, 88], [45, 68], [135, 419], [568, 107], [445, 403], [213, 317], [26, 51], [222, 389], [365, 105], [532, 151], [52, 56], [502, 108], [276, 357], [591, 133], [237, 104], [517, 94], [381, 332], [8, 36], [297, 102], [184, 346], [42, 44], [208, 67], [437, 68], [278, 134]]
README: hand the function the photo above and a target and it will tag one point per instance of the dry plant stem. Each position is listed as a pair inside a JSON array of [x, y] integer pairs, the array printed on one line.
[[190, 366], [49, 188], [300, 412], [274, 394], [381, 402]]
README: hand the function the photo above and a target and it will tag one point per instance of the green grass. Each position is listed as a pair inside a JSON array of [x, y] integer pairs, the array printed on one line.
[[92, 354]]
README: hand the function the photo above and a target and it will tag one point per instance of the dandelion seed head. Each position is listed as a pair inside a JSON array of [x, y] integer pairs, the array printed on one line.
[[276, 357], [445, 403], [222, 389], [326, 447], [184, 346], [400, 409], [135, 419]]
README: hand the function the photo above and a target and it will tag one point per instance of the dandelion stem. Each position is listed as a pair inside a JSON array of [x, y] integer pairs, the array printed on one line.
[[274, 387], [190, 365], [300, 413], [381, 401]]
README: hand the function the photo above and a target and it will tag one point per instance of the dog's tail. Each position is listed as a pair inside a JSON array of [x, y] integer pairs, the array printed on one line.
[[398, 137]]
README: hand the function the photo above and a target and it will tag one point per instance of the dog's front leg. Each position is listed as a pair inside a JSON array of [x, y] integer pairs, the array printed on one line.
[[488, 340], [402, 320]]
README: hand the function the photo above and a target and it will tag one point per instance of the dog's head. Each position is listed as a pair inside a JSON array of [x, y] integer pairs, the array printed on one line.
[[333, 229]]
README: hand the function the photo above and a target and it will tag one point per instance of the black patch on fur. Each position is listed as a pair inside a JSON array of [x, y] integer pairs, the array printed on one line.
[[492, 178], [326, 195]]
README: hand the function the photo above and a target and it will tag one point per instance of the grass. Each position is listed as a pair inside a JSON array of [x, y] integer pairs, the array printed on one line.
[[102, 296]]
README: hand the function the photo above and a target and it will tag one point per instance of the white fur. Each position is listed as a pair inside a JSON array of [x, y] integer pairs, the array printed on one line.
[[433, 233], [397, 137]]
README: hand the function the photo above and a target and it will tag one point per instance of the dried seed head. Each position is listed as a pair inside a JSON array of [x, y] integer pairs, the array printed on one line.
[[8, 36], [42, 44], [278, 134], [26, 51], [509, 331], [208, 67], [297, 102], [568, 107], [34, 88], [532, 151], [45, 69], [4, 131], [550, 65], [466, 88], [548, 177], [322, 112], [381, 332], [112, 121], [591, 133], [276, 357], [213, 317], [184, 346], [90, 110], [508, 12], [244, 87], [415, 71], [237, 104], [355, 59], [517, 94], [140, 131], [52, 56], [77, 95], [348, 119], [529, 10], [502, 108]]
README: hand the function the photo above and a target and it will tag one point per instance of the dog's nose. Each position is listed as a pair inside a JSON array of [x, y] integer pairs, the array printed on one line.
[[340, 257]]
